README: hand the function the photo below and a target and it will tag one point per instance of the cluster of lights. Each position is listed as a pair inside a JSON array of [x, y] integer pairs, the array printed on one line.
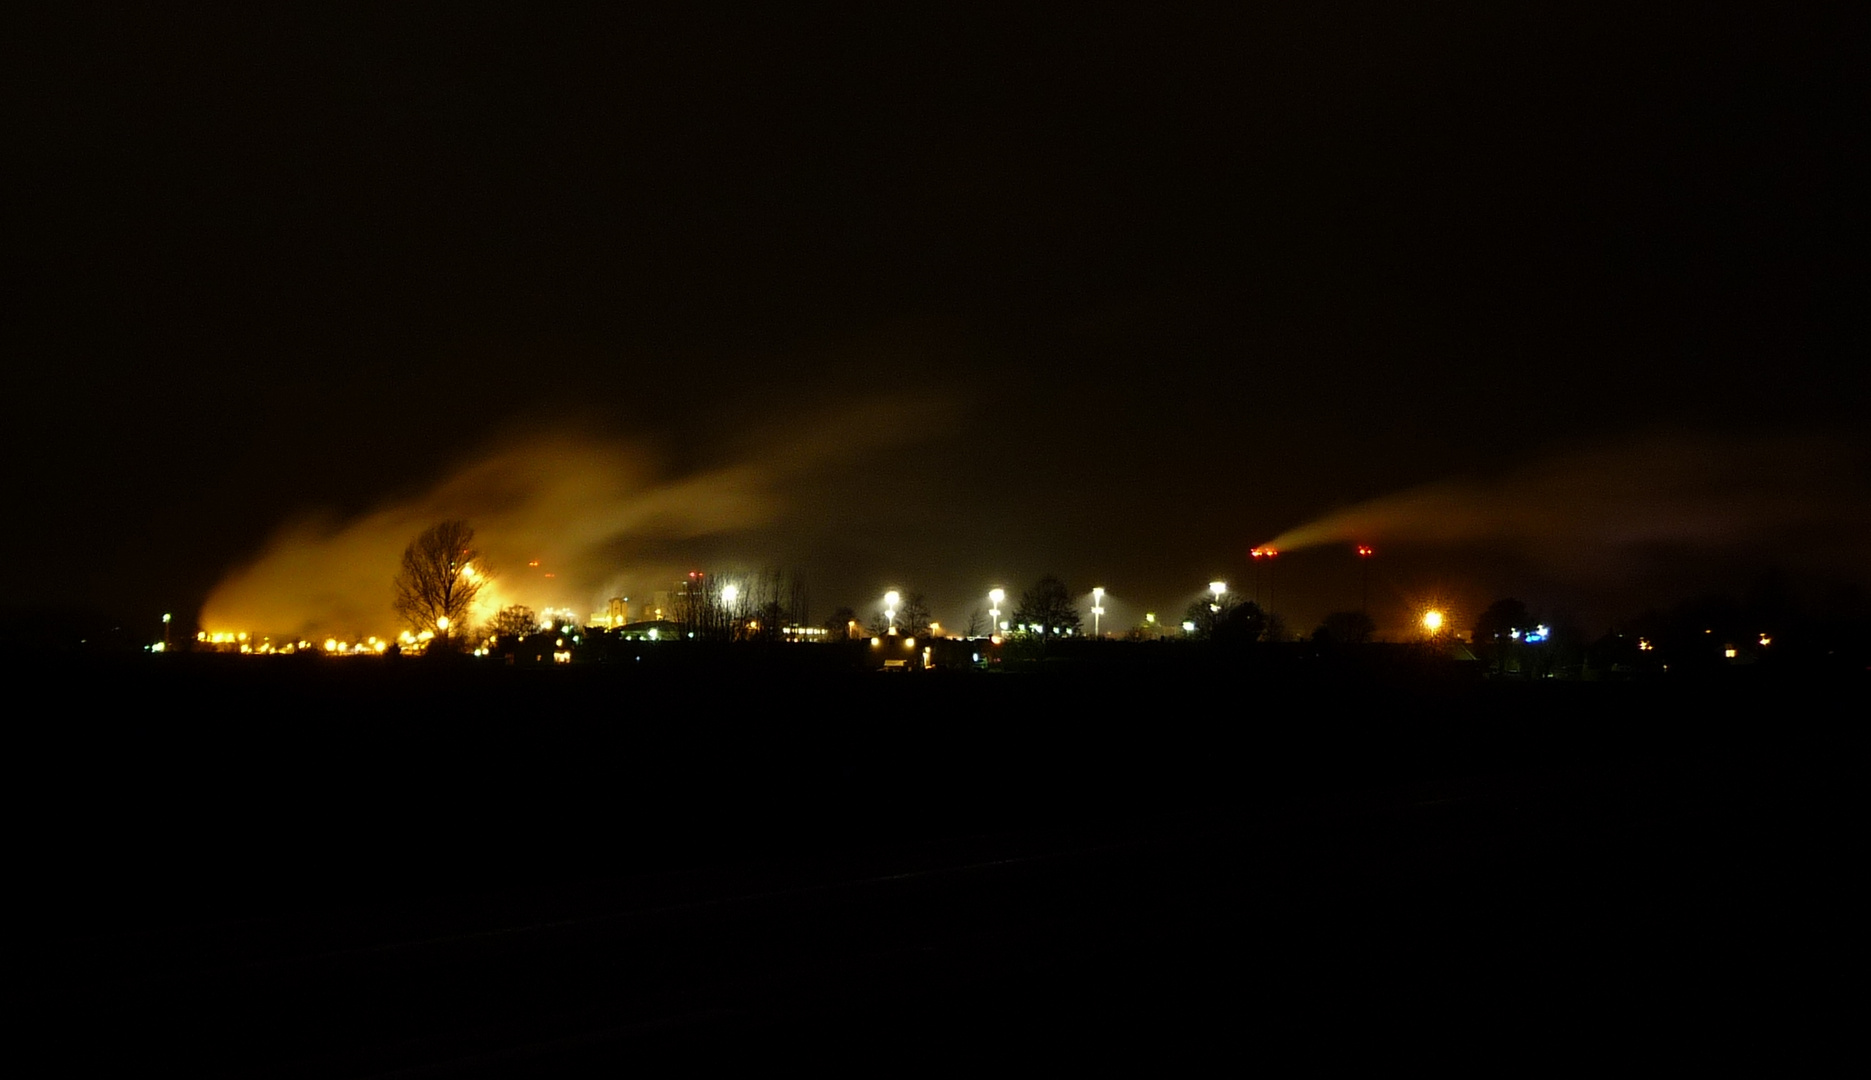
[[247, 645], [563, 620]]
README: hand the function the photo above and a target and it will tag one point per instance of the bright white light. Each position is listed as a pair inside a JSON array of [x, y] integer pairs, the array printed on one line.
[[730, 593], [1218, 588], [995, 596]]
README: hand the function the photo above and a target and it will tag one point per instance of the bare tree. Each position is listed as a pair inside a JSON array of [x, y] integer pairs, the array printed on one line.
[[913, 616], [1046, 610], [442, 573], [515, 621], [700, 607], [843, 625], [741, 606], [778, 600]]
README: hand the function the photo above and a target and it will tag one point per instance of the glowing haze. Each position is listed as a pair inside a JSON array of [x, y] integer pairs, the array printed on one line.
[[1608, 512], [550, 515]]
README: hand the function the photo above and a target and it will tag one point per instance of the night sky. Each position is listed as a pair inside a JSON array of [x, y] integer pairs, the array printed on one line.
[[942, 298]]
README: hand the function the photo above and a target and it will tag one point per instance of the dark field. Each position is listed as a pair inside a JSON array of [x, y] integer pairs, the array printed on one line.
[[365, 868]]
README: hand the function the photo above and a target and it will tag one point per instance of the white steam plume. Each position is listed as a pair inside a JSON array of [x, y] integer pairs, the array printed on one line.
[[566, 504], [1608, 511]]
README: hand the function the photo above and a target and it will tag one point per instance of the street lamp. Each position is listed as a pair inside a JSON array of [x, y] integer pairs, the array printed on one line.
[[1097, 612], [1432, 621], [994, 597], [1219, 588], [729, 594], [890, 608]]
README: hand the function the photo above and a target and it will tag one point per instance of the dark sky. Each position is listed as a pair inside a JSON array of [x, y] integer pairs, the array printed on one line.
[[1142, 287]]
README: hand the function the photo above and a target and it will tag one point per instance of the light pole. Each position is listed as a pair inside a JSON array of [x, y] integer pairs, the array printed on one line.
[[890, 608], [1097, 612], [994, 597], [1365, 551]]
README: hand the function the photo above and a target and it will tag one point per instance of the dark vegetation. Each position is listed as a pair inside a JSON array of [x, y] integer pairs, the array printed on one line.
[[353, 867]]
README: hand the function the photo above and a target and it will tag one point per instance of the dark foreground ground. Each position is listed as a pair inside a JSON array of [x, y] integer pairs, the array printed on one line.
[[394, 869]]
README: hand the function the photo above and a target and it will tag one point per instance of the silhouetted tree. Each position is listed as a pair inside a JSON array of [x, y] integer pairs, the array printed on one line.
[[1046, 610], [842, 623], [769, 621], [700, 609], [1345, 628], [515, 621], [440, 577], [1226, 620], [913, 616], [771, 600], [1497, 633]]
